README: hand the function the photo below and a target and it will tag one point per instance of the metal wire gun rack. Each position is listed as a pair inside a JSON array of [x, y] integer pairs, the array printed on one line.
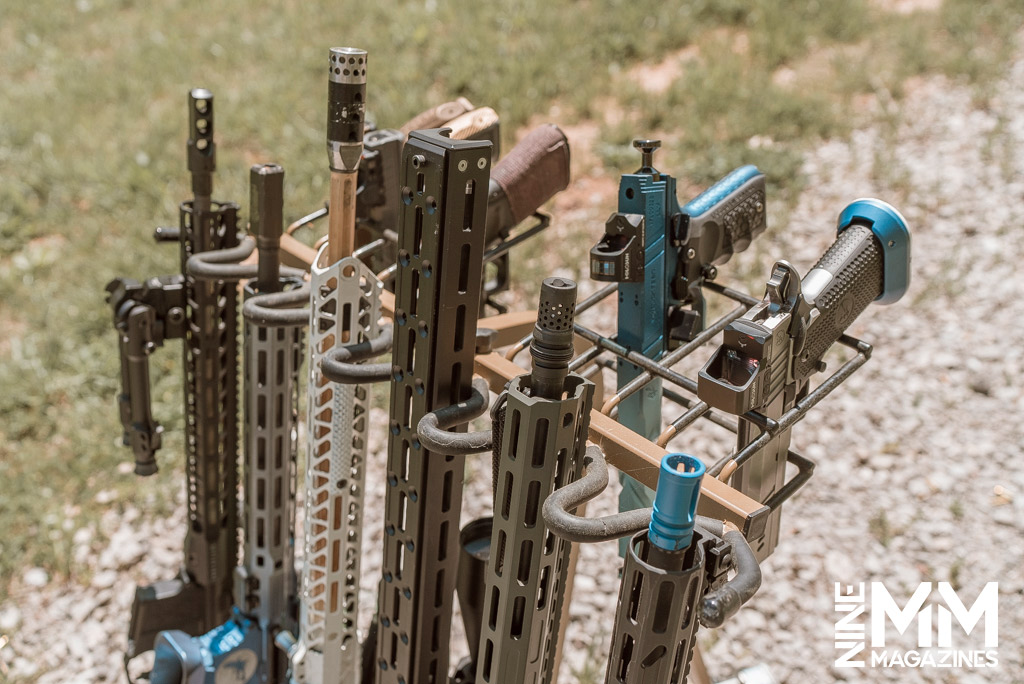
[[757, 385], [444, 209]]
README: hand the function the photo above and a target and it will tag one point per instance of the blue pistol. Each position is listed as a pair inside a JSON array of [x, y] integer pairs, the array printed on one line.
[[661, 254]]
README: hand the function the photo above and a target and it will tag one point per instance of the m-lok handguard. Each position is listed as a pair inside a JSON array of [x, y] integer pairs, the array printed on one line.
[[437, 296], [540, 437]]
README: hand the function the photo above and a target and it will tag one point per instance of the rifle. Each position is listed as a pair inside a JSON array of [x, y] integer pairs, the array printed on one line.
[[762, 370], [661, 255], [344, 310], [264, 596], [437, 295], [203, 315], [539, 438]]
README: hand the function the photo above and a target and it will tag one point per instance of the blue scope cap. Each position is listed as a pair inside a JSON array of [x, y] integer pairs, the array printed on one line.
[[892, 232], [675, 502]]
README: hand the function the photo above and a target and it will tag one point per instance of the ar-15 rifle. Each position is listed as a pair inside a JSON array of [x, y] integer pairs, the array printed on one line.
[[265, 588], [661, 254], [203, 314], [770, 354], [540, 435], [344, 311]]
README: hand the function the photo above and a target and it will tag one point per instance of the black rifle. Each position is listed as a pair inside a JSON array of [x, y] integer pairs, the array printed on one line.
[[203, 314], [437, 295]]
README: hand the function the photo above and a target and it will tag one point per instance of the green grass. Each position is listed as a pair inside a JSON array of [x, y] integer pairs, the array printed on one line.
[[92, 121], [779, 75]]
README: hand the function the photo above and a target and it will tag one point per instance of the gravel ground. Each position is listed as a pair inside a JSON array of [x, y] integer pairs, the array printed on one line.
[[919, 474]]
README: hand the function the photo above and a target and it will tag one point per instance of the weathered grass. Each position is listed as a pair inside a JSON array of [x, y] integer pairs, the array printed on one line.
[[92, 119]]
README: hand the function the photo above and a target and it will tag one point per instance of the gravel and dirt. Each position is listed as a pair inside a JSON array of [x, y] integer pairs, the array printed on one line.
[[920, 456]]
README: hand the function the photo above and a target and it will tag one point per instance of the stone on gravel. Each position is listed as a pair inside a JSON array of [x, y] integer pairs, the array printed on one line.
[[125, 550], [10, 618], [104, 579], [35, 577]]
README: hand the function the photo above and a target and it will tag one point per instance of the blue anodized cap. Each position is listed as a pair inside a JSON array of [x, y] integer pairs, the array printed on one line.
[[675, 502], [892, 232]]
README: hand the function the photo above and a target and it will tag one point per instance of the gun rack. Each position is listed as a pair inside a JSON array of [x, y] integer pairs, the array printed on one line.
[[623, 448]]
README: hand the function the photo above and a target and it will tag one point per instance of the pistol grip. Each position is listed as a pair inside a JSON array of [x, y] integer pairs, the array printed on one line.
[[532, 173], [436, 116], [726, 217], [165, 605]]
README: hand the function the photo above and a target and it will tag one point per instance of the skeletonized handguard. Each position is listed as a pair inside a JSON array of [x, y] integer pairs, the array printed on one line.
[[243, 647], [539, 448], [344, 309]]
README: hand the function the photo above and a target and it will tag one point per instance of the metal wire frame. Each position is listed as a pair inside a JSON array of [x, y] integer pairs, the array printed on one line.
[[697, 409], [511, 327]]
